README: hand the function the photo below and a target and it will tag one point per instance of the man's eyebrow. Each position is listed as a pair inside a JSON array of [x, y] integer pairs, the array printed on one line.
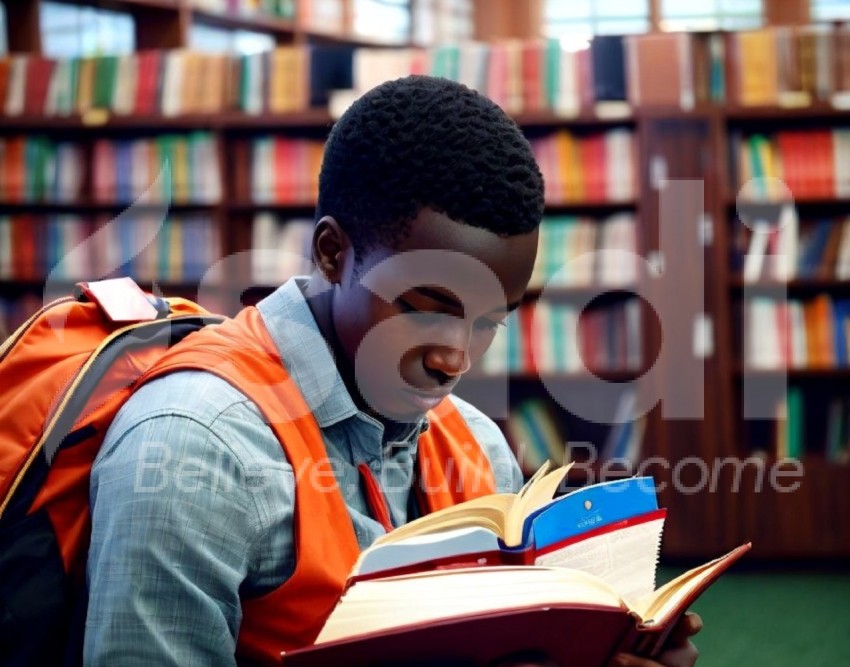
[[449, 300], [445, 299]]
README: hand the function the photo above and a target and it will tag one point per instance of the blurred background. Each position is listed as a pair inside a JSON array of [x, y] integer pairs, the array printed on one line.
[[179, 142]]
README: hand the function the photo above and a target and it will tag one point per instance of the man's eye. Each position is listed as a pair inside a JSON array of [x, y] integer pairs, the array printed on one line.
[[489, 325]]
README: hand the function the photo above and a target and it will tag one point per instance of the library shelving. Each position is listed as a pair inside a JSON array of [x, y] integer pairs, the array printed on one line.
[[799, 370], [697, 340]]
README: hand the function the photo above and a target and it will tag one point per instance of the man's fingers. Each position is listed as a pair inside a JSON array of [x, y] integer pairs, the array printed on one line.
[[689, 625]]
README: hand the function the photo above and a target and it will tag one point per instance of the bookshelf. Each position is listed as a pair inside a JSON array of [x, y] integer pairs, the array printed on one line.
[[810, 392], [697, 143]]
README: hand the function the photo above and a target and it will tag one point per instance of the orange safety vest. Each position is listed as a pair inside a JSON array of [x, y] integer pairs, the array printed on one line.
[[452, 468]]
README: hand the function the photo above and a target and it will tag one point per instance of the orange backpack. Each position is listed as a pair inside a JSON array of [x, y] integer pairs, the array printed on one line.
[[63, 376]]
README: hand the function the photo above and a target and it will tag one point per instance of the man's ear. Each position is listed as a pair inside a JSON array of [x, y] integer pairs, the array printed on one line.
[[329, 247]]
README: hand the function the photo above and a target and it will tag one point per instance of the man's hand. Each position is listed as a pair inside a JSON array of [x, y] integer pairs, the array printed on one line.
[[678, 651]]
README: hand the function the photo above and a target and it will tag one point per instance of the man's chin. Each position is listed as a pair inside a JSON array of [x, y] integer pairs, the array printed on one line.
[[403, 406]]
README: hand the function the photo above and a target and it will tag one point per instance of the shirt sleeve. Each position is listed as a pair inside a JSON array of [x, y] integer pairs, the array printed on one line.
[[505, 467], [180, 517]]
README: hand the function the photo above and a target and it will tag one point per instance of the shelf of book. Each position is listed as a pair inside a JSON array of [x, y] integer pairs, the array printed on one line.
[[584, 119], [575, 292], [289, 208], [79, 206], [132, 6], [308, 118], [597, 207], [760, 114], [794, 377], [833, 374], [737, 283], [755, 207], [101, 119]]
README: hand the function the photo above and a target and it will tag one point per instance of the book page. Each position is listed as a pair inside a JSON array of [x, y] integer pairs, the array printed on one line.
[[623, 556], [494, 512], [487, 512], [538, 492], [677, 595], [381, 604]]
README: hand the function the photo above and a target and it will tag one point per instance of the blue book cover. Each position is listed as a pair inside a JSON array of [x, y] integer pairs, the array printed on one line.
[[590, 508], [840, 311]]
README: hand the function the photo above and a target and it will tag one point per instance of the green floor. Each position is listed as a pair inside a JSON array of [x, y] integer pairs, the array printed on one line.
[[774, 619]]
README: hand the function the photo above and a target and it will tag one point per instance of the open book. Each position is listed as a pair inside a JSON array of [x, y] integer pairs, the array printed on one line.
[[474, 616], [478, 581], [611, 529]]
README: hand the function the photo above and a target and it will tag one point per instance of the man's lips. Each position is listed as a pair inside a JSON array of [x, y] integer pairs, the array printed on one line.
[[429, 398]]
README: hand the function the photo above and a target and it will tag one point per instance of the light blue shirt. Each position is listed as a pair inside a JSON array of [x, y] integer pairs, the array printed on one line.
[[192, 499]]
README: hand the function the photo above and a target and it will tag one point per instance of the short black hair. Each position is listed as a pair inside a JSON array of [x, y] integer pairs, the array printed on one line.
[[425, 142]]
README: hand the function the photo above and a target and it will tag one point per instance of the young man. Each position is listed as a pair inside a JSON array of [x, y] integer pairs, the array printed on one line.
[[228, 503]]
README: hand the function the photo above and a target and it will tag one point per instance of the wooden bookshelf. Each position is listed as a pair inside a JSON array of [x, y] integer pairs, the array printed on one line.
[[80, 206], [591, 208], [132, 6], [792, 286], [761, 114], [585, 119], [282, 29], [801, 202], [796, 373], [756, 511]]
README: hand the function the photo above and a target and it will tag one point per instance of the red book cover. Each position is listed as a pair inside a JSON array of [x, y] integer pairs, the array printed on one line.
[[142, 72], [418, 61], [526, 316], [24, 243], [14, 169], [731, 69], [559, 633], [827, 164], [283, 186], [532, 76], [38, 78], [147, 83], [592, 150], [808, 152], [5, 64]]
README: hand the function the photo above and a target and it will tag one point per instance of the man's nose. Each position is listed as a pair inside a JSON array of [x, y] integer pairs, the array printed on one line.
[[450, 361]]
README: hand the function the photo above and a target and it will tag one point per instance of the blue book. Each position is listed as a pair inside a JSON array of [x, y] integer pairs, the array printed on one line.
[[840, 311], [588, 509]]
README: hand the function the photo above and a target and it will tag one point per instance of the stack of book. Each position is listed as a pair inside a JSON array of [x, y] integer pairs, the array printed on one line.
[[570, 579]]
